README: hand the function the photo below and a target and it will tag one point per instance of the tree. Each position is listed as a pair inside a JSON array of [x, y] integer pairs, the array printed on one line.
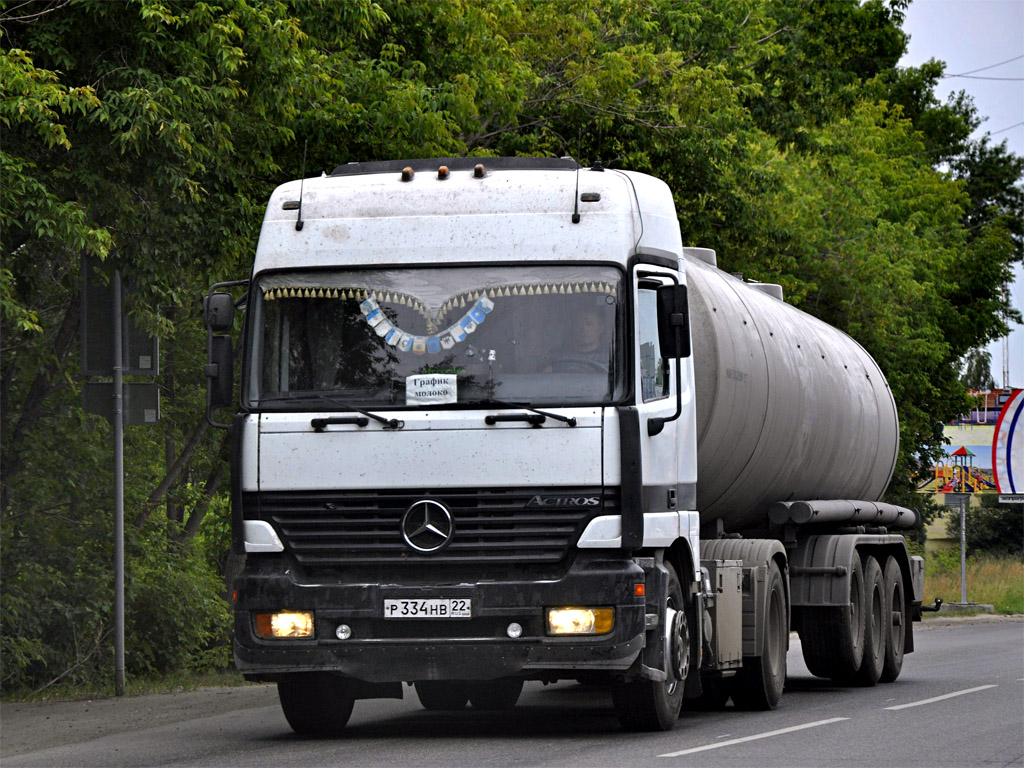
[[977, 371], [148, 134]]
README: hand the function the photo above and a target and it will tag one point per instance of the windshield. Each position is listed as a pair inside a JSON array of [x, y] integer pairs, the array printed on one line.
[[438, 336]]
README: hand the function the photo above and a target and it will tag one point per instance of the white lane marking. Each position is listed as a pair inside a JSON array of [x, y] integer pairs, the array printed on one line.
[[755, 737], [940, 698]]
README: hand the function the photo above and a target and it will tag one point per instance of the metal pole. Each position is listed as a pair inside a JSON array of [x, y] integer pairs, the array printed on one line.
[[963, 548], [118, 494]]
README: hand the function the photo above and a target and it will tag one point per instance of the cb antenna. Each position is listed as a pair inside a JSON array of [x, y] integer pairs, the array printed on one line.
[[302, 181]]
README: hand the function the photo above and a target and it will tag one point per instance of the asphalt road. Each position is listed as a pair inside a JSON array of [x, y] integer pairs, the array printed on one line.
[[959, 702]]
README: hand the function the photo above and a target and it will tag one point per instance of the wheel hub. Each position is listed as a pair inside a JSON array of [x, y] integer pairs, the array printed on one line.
[[678, 645]]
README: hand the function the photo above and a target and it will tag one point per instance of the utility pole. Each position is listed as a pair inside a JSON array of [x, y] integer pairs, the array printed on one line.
[[118, 492], [113, 346]]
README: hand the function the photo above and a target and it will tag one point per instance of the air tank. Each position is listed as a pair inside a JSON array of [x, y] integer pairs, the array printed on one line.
[[788, 407]]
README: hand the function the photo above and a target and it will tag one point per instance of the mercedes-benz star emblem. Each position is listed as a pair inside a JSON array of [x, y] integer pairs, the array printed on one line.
[[427, 525]]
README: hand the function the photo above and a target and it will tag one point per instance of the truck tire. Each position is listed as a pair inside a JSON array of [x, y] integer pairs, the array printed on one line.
[[442, 695], [875, 626], [832, 639], [316, 703], [495, 694], [892, 581], [650, 705], [759, 684], [715, 693]]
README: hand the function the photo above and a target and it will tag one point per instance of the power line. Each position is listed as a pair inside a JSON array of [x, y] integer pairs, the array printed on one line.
[[1007, 128], [973, 77], [990, 66]]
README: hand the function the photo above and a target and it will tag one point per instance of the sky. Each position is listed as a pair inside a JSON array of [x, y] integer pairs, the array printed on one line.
[[971, 35]]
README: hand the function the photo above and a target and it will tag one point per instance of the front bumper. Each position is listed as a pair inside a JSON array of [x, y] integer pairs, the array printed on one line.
[[478, 648]]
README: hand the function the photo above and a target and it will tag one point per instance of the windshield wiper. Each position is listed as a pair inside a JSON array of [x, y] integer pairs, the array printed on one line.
[[491, 420], [320, 424]]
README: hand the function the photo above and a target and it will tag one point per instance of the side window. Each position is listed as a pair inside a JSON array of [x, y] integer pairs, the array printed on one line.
[[653, 368]]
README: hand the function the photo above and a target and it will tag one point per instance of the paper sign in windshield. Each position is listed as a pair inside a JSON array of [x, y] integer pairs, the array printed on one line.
[[431, 389]]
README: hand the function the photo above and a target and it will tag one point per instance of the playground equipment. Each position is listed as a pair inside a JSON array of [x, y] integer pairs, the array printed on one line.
[[960, 476]]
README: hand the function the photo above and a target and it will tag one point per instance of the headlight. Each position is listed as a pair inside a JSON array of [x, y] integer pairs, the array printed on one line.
[[284, 625], [580, 621]]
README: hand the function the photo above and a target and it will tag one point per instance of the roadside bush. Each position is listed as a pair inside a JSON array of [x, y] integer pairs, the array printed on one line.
[[992, 528], [175, 613]]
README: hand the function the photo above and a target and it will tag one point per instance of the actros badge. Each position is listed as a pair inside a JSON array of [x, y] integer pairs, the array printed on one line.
[[427, 525]]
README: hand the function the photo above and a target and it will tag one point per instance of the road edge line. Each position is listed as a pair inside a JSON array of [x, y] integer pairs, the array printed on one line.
[[755, 737], [940, 698]]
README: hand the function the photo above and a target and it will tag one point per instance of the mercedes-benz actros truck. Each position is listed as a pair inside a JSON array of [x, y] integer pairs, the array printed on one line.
[[496, 424]]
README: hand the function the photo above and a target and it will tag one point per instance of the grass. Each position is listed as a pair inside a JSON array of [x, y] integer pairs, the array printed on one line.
[[176, 683], [997, 581]]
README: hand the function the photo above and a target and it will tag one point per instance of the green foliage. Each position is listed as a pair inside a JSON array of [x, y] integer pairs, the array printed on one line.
[[977, 373], [175, 592], [992, 528], [148, 134]]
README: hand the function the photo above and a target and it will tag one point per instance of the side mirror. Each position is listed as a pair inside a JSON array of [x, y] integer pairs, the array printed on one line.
[[673, 321], [219, 312], [219, 372]]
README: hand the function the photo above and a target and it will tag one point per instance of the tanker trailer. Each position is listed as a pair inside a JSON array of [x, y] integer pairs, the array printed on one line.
[[797, 438]]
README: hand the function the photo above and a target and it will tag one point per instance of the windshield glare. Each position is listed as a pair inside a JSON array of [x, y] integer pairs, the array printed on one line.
[[438, 336]]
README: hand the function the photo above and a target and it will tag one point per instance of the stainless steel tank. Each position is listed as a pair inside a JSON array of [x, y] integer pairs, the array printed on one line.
[[788, 408]]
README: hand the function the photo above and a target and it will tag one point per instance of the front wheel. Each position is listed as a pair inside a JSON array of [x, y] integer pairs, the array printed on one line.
[[650, 705], [316, 704]]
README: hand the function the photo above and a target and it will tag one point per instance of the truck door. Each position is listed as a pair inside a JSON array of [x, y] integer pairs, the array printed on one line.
[[655, 394]]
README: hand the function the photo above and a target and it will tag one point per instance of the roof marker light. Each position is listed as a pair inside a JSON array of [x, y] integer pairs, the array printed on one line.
[[407, 174], [442, 172], [479, 171]]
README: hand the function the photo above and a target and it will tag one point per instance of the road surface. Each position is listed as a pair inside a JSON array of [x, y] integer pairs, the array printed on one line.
[[959, 702]]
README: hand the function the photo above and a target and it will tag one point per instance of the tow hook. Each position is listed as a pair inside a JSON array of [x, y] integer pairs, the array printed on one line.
[[932, 608]]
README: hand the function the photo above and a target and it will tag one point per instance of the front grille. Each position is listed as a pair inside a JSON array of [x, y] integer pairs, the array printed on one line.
[[493, 526]]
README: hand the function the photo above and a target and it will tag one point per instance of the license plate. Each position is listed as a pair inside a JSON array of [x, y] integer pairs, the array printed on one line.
[[433, 608]]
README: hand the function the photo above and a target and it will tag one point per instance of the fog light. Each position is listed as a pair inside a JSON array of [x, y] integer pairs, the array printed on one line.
[[580, 621], [515, 631], [343, 632], [284, 625]]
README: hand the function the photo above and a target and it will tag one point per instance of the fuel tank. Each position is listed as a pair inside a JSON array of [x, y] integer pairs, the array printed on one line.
[[788, 407]]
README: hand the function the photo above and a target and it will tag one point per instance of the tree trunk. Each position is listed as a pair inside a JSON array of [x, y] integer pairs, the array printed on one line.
[[44, 385]]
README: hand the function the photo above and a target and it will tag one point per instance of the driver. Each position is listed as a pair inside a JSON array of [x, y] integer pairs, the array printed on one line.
[[584, 348]]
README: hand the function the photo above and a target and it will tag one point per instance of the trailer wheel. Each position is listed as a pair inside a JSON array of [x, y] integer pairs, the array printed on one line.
[[758, 686], [650, 705], [442, 695], [495, 694], [316, 704], [875, 627], [892, 581], [832, 639]]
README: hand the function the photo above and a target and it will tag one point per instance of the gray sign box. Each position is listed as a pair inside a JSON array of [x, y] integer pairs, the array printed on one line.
[[141, 401], [140, 354]]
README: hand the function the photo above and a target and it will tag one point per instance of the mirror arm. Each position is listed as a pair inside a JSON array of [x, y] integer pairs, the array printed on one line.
[[655, 425]]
